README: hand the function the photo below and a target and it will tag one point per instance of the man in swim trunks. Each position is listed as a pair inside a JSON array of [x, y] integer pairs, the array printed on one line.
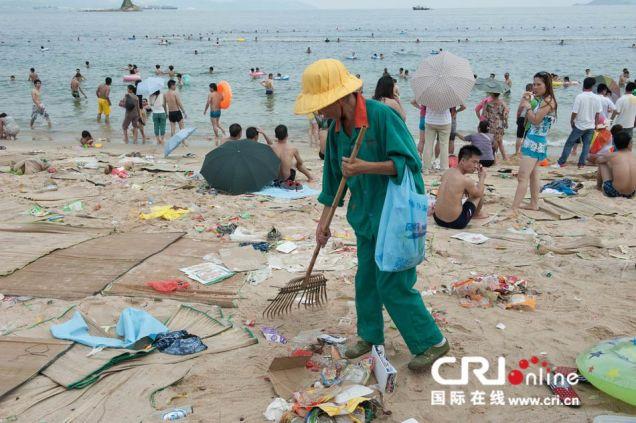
[[103, 100], [616, 175], [268, 84], [176, 111], [214, 104], [76, 88], [38, 107], [449, 211], [288, 156]]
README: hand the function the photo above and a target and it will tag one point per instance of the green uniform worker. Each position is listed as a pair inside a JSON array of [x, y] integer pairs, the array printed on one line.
[[387, 151]]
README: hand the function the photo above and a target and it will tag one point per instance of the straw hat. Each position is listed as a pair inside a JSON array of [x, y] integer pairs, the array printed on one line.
[[324, 82]]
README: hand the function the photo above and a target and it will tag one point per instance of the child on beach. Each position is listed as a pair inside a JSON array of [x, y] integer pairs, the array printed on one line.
[[87, 139], [483, 140]]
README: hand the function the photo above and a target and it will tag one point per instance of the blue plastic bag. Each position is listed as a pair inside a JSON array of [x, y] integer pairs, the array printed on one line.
[[402, 234]]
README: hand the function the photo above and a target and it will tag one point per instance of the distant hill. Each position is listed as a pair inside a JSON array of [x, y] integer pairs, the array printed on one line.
[[608, 3], [181, 4]]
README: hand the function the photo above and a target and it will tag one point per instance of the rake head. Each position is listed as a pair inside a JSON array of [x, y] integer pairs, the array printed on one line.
[[312, 290]]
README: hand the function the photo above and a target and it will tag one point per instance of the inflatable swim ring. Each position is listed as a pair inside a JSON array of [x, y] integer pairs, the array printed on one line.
[[224, 88], [282, 78], [434, 52], [352, 57], [132, 78], [240, 40], [557, 83], [186, 79], [257, 74], [375, 56], [611, 367]]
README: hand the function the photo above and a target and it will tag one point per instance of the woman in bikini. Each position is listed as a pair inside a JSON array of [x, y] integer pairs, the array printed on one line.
[[535, 144]]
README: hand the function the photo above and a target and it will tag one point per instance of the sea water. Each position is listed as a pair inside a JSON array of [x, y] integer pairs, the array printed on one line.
[[521, 41]]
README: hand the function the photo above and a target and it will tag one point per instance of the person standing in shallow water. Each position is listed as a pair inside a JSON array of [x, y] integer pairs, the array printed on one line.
[[534, 148]]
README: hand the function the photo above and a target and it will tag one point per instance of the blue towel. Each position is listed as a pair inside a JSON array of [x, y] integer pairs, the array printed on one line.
[[133, 325], [275, 192]]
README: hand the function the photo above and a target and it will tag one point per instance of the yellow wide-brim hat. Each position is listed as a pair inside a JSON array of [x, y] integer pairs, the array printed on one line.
[[323, 83]]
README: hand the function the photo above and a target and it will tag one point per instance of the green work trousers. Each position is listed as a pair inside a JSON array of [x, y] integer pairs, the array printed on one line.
[[393, 290]]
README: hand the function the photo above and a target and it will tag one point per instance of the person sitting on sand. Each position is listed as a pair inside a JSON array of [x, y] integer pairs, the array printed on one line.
[[87, 139], [449, 211], [287, 156], [235, 131], [616, 175], [252, 133], [483, 140]]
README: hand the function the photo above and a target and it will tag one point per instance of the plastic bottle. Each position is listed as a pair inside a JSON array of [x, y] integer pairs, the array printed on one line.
[[173, 414]]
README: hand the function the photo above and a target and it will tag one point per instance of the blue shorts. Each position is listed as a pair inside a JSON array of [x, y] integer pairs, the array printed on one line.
[[610, 191], [215, 114], [422, 123]]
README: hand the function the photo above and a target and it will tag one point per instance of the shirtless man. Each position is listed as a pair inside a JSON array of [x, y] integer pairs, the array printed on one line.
[[103, 100], [76, 88], [171, 72], [176, 111], [268, 84], [214, 104], [449, 211], [236, 132], [252, 134], [287, 156], [38, 107], [32, 75], [158, 70], [616, 175]]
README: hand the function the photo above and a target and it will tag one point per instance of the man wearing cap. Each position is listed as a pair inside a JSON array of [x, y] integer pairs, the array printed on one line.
[[387, 151]]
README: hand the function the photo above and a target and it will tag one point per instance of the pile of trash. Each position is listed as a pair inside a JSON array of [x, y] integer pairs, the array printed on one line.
[[563, 186], [489, 290], [316, 384]]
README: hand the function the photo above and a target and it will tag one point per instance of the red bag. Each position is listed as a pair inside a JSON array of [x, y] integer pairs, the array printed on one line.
[[169, 285]]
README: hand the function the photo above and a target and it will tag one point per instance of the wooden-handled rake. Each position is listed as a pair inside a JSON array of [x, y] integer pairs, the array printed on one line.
[[312, 288]]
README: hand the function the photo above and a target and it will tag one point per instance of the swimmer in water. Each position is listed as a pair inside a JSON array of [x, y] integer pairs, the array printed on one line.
[[308, 50], [211, 70], [76, 87], [33, 76], [12, 78], [268, 84], [196, 52], [88, 64]]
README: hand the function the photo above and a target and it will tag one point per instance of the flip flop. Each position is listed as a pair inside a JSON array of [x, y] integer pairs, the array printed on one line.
[[562, 388]]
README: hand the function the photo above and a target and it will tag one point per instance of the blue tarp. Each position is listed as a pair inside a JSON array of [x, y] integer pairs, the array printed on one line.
[[133, 325], [275, 192]]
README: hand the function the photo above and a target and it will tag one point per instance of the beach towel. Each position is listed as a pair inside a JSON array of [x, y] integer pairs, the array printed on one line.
[[564, 186], [132, 326], [274, 192]]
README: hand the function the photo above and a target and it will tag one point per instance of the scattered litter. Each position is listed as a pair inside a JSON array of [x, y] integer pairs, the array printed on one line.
[[383, 370], [225, 229], [119, 172], [169, 285], [258, 246], [30, 166], [179, 342], [257, 277], [207, 273], [273, 335], [332, 340], [523, 231], [173, 414], [488, 290], [244, 235], [276, 409], [241, 259], [472, 238], [500, 326], [73, 207], [165, 213], [273, 235], [286, 247]]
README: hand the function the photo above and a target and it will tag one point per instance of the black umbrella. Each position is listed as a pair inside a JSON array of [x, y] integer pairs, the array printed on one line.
[[242, 166]]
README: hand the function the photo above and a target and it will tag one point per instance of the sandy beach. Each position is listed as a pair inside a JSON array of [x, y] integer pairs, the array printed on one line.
[[576, 254]]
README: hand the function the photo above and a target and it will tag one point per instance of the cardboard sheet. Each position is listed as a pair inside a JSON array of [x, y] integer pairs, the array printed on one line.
[[85, 269], [165, 265], [23, 358], [243, 259], [289, 374]]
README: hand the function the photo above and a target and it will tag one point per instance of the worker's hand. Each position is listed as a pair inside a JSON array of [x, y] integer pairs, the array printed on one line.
[[352, 167], [322, 236]]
